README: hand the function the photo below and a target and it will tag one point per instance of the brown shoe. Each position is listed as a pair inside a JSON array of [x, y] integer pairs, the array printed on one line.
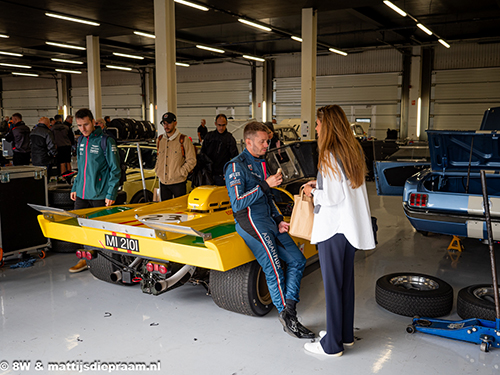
[[79, 267]]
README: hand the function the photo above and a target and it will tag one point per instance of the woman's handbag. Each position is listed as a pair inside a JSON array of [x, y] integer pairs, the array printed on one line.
[[301, 222]]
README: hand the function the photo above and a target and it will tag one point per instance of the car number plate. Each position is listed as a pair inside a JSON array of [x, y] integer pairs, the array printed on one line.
[[122, 243]]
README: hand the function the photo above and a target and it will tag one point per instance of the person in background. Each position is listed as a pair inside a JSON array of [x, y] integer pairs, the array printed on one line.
[[274, 141], [261, 225], [43, 145], [175, 159], [220, 147], [19, 136], [202, 130], [96, 183], [52, 122], [4, 127], [100, 122], [107, 120], [64, 139], [342, 224]]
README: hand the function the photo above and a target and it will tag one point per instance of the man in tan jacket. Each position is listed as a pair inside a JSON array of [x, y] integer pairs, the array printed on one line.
[[176, 158]]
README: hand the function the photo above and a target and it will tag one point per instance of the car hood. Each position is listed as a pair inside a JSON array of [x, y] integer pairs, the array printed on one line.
[[451, 150]]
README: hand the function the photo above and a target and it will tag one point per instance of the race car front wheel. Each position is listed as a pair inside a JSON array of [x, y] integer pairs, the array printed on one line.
[[411, 294], [242, 289]]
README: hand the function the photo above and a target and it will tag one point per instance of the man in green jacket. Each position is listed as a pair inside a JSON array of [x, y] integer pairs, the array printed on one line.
[[99, 170]]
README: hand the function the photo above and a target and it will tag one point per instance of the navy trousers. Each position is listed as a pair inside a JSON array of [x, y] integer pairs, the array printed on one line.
[[336, 257]]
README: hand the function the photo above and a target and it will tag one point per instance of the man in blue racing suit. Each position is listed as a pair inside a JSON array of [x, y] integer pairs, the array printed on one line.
[[261, 225]]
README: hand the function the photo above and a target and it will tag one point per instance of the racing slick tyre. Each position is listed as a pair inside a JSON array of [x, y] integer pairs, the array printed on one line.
[[476, 301], [242, 289], [59, 197], [102, 268], [411, 294], [64, 247]]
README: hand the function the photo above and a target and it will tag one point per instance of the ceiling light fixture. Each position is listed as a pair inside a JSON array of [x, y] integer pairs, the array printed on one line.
[[140, 33], [424, 29], [68, 61], [254, 58], [253, 24], [128, 56], [296, 38], [182, 64], [72, 19], [10, 54], [395, 8], [16, 66], [337, 51], [192, 5], [25, 74], [68, 71], [118, 67], [62, 45], [444, 43], [4, 36], [210, 49]]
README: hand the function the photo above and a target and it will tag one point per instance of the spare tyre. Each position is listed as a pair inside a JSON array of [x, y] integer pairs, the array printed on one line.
[[121, 127], [476, 301], [411, 294], [59, 197]]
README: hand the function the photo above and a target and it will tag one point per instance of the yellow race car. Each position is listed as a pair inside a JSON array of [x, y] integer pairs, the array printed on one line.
[[164, 245]]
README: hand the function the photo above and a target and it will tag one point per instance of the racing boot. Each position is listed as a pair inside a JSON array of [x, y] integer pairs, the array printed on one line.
[[291, 325]]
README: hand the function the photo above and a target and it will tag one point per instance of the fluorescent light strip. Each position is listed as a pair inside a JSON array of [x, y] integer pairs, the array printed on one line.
[[128, 56], [395, 8], [296, 38], [68, 71], [444, 43], [254, 58], [72, 19], [253, 24], [4, 36], [62, 45], [11, 54], [424, 29], [182, 64], [118, 67], [419, 108], [25, 74], [192, 5], [338, 51], [140, 33], [210, 48], [68, 61], [16, 66]]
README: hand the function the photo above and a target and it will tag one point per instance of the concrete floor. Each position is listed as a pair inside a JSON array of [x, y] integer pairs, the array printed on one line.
[[50, 315]]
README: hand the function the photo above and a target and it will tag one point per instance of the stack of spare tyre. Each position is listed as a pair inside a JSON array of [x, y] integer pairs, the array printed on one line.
[[415, 294], [126, 129]]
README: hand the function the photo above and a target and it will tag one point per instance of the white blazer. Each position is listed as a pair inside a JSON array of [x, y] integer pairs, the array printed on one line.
[[343, 210]]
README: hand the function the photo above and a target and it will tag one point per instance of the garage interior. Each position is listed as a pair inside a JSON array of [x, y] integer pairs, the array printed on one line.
[[51, 315]]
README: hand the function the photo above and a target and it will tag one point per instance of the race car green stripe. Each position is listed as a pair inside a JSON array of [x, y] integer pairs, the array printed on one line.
[[108, 211], [217, 231]]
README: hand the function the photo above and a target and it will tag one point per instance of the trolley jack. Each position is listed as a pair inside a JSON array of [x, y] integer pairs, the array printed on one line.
[[486, 333]]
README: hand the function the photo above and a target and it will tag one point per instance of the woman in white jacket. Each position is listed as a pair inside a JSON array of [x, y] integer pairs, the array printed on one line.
[[342, 224]]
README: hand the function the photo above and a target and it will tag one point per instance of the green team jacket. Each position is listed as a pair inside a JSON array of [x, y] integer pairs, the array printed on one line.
[[98, 174]]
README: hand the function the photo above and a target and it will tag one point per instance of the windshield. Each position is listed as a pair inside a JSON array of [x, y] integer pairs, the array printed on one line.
[[148, 157]]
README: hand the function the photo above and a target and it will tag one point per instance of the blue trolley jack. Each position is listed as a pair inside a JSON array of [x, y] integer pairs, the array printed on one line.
[[486, 333]]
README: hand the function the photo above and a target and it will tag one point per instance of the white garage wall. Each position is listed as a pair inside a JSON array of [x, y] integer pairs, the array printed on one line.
[[121, 94], [366, 85], [31, 97], [465, 83]]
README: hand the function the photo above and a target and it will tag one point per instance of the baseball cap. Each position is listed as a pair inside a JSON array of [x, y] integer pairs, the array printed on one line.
[[168, 117]]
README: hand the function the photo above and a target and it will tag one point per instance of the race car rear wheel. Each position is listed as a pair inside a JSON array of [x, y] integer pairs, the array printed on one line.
[[411, 294], [102, 268], [242, 289]]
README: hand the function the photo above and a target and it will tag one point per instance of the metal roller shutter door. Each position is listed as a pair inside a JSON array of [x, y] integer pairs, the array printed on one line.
[[197, 100], [460, 97], [375, 96]]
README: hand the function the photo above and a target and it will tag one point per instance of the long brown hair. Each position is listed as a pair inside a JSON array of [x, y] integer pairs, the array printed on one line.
[[336, 138]]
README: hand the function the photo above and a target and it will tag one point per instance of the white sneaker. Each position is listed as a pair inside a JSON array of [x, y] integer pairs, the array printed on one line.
[[322, 334], [316, 348]]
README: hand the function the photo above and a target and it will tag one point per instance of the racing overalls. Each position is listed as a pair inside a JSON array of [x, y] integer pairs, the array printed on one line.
[[257, 219]]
